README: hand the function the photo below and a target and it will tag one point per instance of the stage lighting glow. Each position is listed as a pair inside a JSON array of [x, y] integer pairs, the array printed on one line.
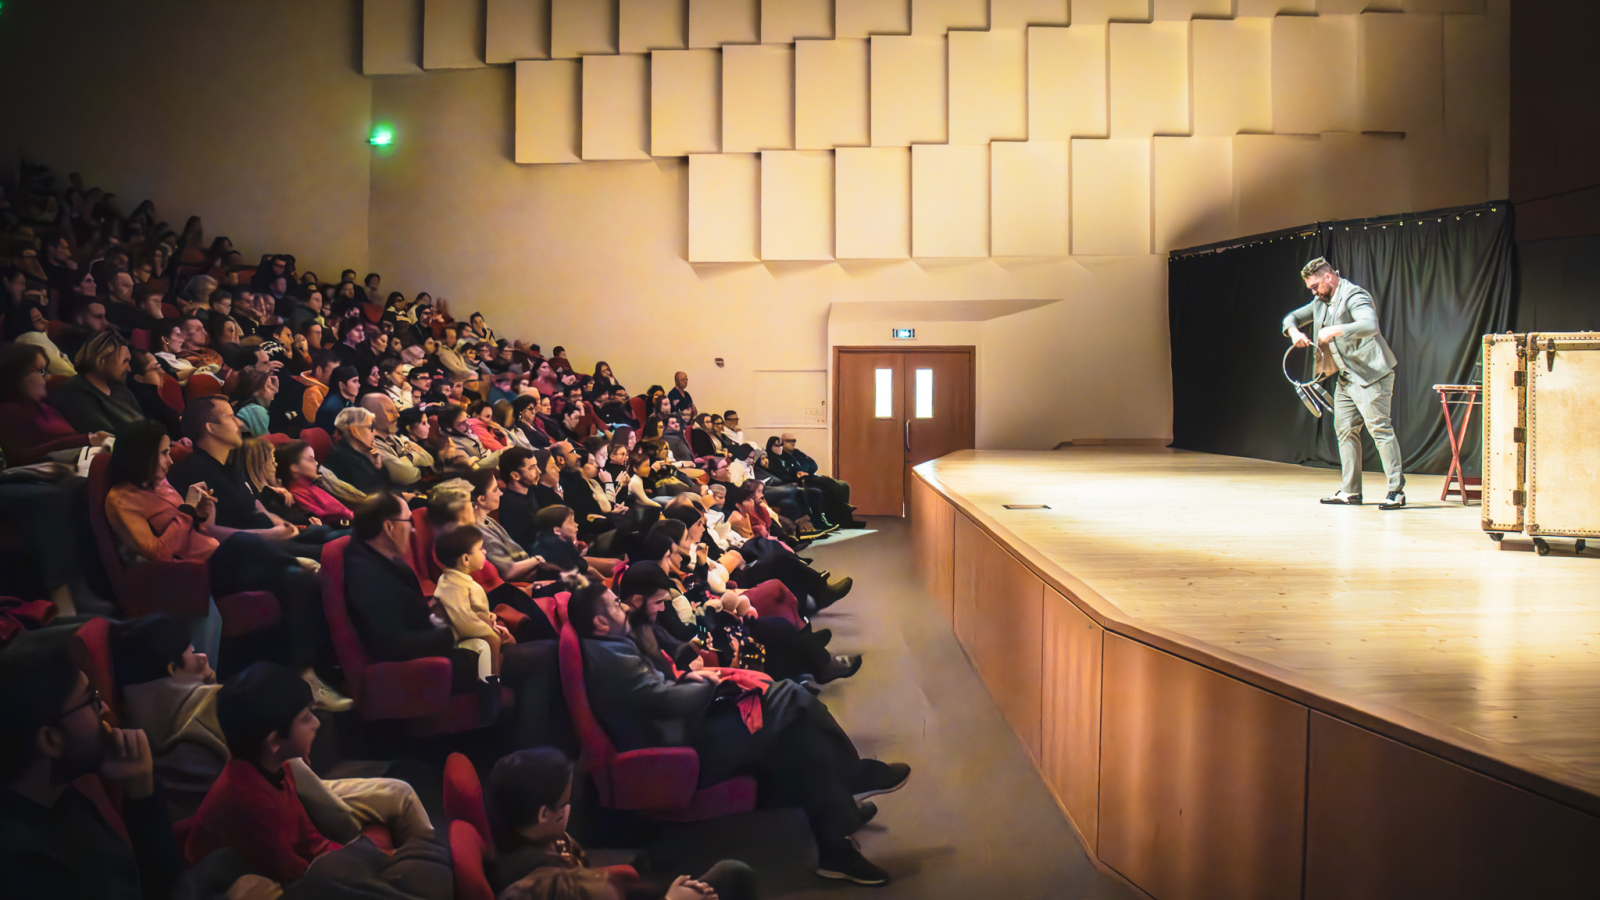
[[382, 136]]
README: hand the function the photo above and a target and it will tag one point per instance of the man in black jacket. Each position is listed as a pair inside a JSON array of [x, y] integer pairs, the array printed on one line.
[[801, 755], [517, 507]]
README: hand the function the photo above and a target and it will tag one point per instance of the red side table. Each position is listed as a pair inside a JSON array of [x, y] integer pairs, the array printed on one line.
[[1469, 487]]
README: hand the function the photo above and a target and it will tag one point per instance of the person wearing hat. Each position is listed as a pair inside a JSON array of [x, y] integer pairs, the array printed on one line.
[[1344, 327]]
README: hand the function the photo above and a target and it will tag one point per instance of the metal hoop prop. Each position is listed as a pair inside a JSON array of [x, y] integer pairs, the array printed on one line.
[[1312, 394]]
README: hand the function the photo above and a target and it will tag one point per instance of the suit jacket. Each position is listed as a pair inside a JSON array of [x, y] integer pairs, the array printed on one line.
[[1361, 351], [637, 705], [388, 608]]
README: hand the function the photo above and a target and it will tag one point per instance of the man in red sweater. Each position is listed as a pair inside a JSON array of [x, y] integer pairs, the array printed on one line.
[[265, 714]]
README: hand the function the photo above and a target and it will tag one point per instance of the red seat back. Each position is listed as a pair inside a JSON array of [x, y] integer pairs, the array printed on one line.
[[202, 384], [346, 642], [467, 851], [463, 796], [94, 636], [277, 440], [169, 311], [321, 444], [637, 404], [171, 392], [139, 339], [105, 542], [596, 752]]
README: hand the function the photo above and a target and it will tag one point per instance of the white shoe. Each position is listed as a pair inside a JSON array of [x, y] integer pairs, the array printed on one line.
[[1343, 498], [324, 697]]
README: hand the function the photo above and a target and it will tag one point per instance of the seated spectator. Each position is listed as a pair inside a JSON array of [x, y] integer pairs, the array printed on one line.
[[88, 318], [145, 380], [556, 540], [679, 395], [297, 470], [465, 604], [800, 754], [345, 388], [26, 325], [167, 342], [480, 421], [530, 802], [392, 377], [527, 431], [509, 558], [355, 457], [32, 430], [518, 473], [197, 344], [404, 460], [583, 493], [53, 741], [96, 399], [548, 463], [455, 425], [803, 469], [252, 396]]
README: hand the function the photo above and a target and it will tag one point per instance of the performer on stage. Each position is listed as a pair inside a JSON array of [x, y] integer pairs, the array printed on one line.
[[1345, 323]]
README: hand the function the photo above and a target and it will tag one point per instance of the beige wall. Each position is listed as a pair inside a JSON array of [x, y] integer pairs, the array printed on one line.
[[253, 115]]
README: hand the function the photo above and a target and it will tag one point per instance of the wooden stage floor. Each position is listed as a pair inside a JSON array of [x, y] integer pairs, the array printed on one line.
[[1411, 616]]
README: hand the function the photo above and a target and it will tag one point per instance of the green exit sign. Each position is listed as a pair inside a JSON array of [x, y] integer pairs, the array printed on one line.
[[903, 334]]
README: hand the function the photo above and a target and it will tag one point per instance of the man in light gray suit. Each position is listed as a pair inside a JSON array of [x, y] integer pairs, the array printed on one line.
[[1344, 325]]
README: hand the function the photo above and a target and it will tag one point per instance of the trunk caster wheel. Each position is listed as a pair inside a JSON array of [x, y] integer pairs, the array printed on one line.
[[1542, 546], [1580, 545], [1496, 536]]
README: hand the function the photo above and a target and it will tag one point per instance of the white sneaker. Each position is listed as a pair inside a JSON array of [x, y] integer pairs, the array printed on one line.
[[324, 697], [1343, 498]]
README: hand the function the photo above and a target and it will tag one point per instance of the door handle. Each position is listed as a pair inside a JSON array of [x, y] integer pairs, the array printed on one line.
[[908, 435]]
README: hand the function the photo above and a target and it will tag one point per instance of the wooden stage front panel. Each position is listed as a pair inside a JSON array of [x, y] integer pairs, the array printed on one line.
[[1248, 694]]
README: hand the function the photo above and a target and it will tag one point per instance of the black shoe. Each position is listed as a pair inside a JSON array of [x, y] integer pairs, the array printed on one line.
[[805, 559], [843, 861], [840, 667], [832, 593], [823, 635], [867, 810], [1396, 500], [1340, 498], [877, 777]]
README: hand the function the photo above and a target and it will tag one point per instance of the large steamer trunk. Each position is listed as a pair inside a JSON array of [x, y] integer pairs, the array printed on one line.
[[1504, 418], [1563, 432]]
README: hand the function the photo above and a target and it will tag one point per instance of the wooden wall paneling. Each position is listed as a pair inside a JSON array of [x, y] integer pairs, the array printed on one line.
[[865, 18], [1017, 15], [1069, 739], [797, 204], [1386, 821], [1099, 12], [1269, 8], [1232, 76], [1448, 170], [685, 102], [988, 86], [1356, 7], [516, 29], [831, 106], [1366, 175], [1202, 779], [581, 27], [1028, 198], [1448, 7], [786, 21], [933, 522], [391, 37], [950, 200], [1110, 197], [1278, 181], [548, 104], [453, 34], [932, 18], [1149, 67], [1184, 10], [909, 97], [616, 106], [724, 207], [1066, 82], [757, 98], [1192, 191], [1314, 77], [645, 25], [713, 23], [1402, 72], [1477, 87], [872, 202], [999, 617]]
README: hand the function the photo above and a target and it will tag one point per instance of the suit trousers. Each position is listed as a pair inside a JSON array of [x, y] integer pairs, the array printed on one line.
[[1353, 405]]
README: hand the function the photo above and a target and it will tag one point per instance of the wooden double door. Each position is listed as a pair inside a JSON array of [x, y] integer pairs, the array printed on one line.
[[894, 409]]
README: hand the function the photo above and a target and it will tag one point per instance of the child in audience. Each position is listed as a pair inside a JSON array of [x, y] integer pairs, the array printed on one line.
[[464, 602], [530, 801]]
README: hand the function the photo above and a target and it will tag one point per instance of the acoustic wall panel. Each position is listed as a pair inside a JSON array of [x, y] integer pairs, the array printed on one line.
[[1477, 74], [581, 27], [724, 207], [1356, 7], [616, 107], [713, 23], [685, 102], [1314, 74], [1192, 190], [1402, 72], [909, 102], [1448, 170], [1448, 7], [517, 29], [1232, 76], [950, 200], [785, 21], [872, 202], [932, 18], [1017, 15], [391, 37], [1365, 175], [831, 107], [1028, 199], [1278, 181], [452, 34], [548, 102], [757, 98], [1149, 67], [1184, 10], [1269, 8], [1111, 197], [865, 18], [1066, 82], [988, 86], [797, 204], [1099, 12], [645, 25]]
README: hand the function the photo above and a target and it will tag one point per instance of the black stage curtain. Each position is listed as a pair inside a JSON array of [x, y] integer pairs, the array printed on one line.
[[1440, 282]]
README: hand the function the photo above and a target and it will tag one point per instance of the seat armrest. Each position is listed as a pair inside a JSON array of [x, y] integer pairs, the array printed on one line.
[[178, 588], [655, 778], [405, 690]]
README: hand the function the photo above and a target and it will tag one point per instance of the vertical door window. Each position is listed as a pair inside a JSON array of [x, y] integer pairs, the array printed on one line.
[[883, 395], [924, 393]]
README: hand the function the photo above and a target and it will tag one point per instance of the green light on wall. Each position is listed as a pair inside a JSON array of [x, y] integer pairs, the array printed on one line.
[[382, 136]]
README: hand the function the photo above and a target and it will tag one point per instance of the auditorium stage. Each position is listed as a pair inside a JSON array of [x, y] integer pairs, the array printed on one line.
[[1203, 618]]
